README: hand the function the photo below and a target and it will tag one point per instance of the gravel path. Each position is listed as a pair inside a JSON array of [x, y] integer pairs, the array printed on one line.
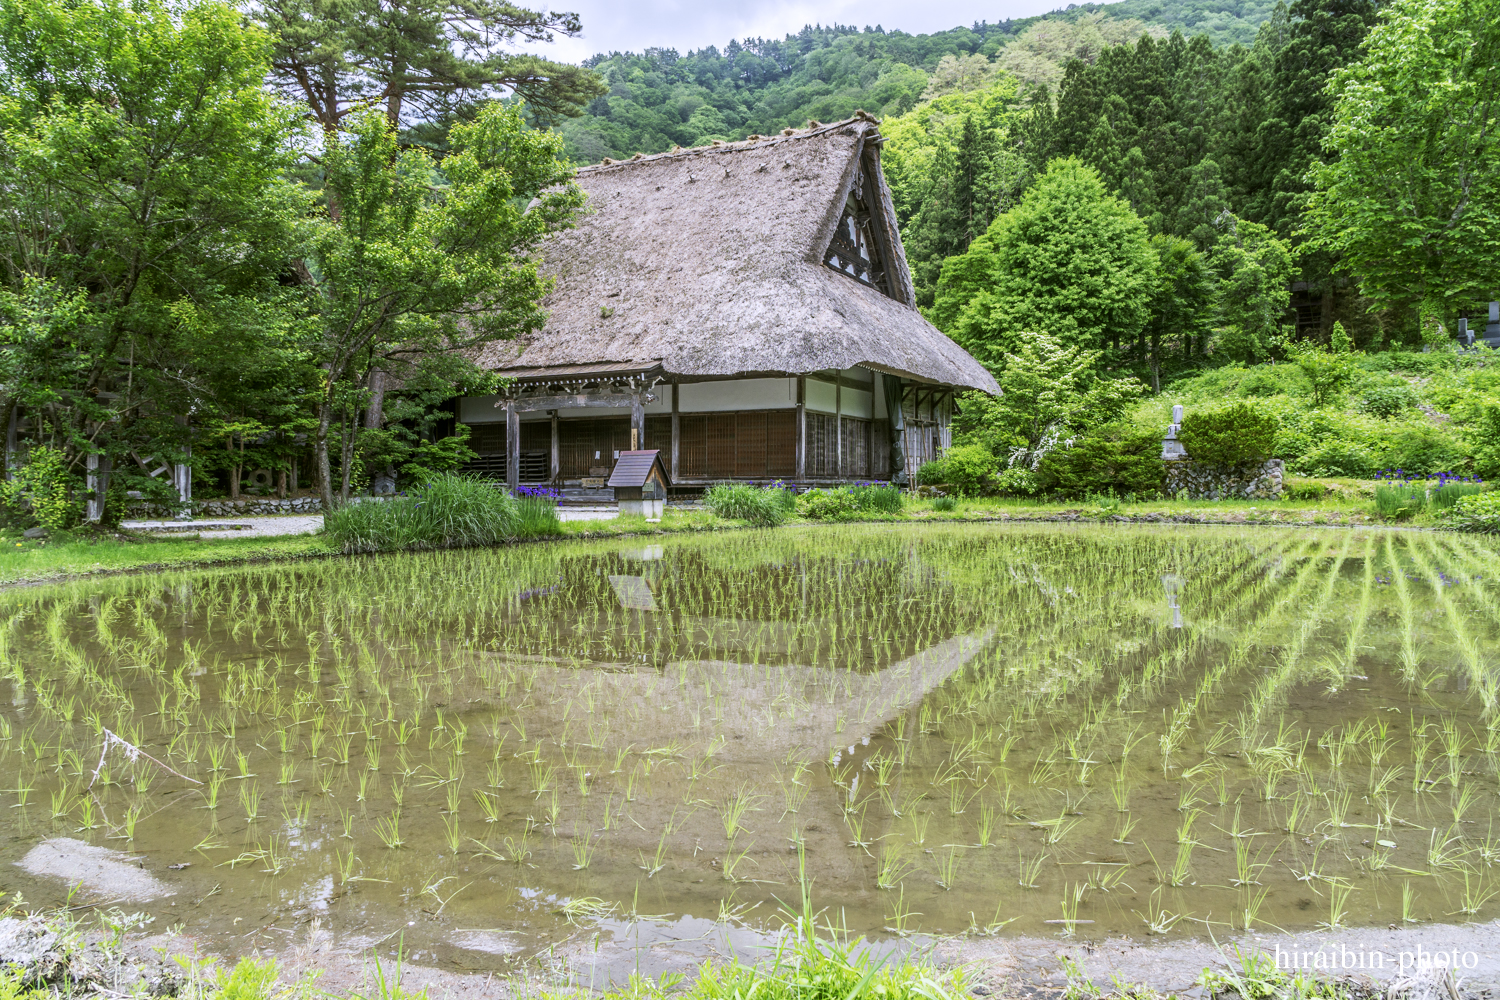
[[234, 527], [303, 524]]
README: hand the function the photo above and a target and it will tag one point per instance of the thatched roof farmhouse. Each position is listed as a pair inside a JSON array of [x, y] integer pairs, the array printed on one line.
[[744, 307]]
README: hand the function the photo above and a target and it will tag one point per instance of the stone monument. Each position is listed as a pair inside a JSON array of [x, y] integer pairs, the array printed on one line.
[[1171, 448]]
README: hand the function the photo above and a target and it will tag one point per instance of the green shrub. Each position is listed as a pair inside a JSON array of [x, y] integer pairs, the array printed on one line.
[[740, 502], [1118, 458], [1486, 435], [969, 468], [1303, 489], [46, 490], [1400, 500], [1476, 512], [1017, 481], [945, 504], [844, 502], [1423, 448], [933, 473], [448, 511], [1388, 399], [825, 505], [1335, 457], [1235, 434]]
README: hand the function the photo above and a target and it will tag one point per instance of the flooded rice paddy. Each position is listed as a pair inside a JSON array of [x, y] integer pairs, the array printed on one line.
[[1033, 729]]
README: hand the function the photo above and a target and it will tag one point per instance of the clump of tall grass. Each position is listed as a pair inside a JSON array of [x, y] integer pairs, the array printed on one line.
[[765, 507], [1449, 493], [1400, 500], [448, 511]]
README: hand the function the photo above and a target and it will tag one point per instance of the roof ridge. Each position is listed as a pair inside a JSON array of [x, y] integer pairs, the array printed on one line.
[[755, 141]]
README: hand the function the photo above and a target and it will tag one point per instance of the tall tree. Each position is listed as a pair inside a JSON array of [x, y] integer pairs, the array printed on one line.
[[143, 212], [1321, 36], [1071, 260], [1411, 202], [422, 60], [418, 262]]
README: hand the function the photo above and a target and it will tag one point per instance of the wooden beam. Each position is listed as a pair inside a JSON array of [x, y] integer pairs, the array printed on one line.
[[556, 450], [676, 434], [528, 404], [838, 429], [801, 428], [637, 423], [512, 447]]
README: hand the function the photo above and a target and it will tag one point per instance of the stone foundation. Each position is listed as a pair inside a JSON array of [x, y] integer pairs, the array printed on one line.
[[1216, 482], [249, 507]]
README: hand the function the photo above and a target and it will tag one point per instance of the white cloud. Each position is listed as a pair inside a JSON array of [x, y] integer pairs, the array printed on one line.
[[610, 25]]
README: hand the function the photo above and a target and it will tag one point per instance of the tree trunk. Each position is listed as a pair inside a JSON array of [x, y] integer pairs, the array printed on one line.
[[346, 456], [1155, 364], [321, 467], [375, 411], [234, 472]]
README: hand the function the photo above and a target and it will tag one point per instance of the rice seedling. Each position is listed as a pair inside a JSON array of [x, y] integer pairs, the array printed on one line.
[[948, 869], [1338, 898], [1476, 893], [1250, 914], [250, 796], [1408, 898], [388, 829], [1157, 918], [1072, 897], [987, 818], [1031, 870], [901, 915]]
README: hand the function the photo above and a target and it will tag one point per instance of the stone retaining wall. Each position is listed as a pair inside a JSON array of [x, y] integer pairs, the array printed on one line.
[[250, 507], [1202, 481]]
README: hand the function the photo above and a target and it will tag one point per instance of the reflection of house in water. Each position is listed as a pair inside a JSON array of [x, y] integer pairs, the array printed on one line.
[[668, 650], [761, 712]]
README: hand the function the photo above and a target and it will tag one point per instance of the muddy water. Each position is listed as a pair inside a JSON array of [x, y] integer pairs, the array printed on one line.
[[478, 756]]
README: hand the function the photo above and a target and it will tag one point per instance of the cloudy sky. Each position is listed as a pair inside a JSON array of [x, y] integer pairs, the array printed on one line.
[[693, 24]]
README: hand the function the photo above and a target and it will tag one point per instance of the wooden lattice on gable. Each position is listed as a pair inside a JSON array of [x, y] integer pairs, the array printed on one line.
[[857, 248]]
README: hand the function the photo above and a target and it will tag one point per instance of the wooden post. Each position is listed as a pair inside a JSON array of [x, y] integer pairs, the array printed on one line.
[[556, 451], [838, 422], [512, 447], [801, 428], [637, 422], [676, 432]]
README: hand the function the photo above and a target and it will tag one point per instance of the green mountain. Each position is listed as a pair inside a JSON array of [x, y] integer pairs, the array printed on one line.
[[660, 98]]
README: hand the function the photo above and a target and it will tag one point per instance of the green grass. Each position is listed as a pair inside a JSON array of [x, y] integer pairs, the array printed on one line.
[[67, 554], [741, 502]]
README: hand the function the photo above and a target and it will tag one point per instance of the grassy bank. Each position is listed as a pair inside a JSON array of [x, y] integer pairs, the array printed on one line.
[[69, 555]]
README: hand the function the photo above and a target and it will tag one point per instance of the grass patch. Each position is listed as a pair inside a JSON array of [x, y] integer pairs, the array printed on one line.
[[739, 502], [66, 554], [449, 511]]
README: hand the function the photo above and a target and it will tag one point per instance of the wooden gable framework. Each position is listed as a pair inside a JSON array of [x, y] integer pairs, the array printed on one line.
[[857, 248]]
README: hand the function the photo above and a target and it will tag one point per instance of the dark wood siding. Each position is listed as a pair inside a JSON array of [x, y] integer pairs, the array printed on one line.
[[749, 444], [856, 448], [487, 439]]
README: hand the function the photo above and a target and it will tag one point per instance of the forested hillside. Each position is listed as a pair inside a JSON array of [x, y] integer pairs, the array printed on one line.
[[660, 98]]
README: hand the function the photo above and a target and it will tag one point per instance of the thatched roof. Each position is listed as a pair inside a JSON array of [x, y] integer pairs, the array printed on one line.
[[710, 262]]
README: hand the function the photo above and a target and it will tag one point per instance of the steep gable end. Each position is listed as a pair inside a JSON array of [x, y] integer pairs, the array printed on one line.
[[857, 248]]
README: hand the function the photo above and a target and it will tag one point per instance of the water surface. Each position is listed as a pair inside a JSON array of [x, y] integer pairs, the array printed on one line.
[[1004, 729]]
